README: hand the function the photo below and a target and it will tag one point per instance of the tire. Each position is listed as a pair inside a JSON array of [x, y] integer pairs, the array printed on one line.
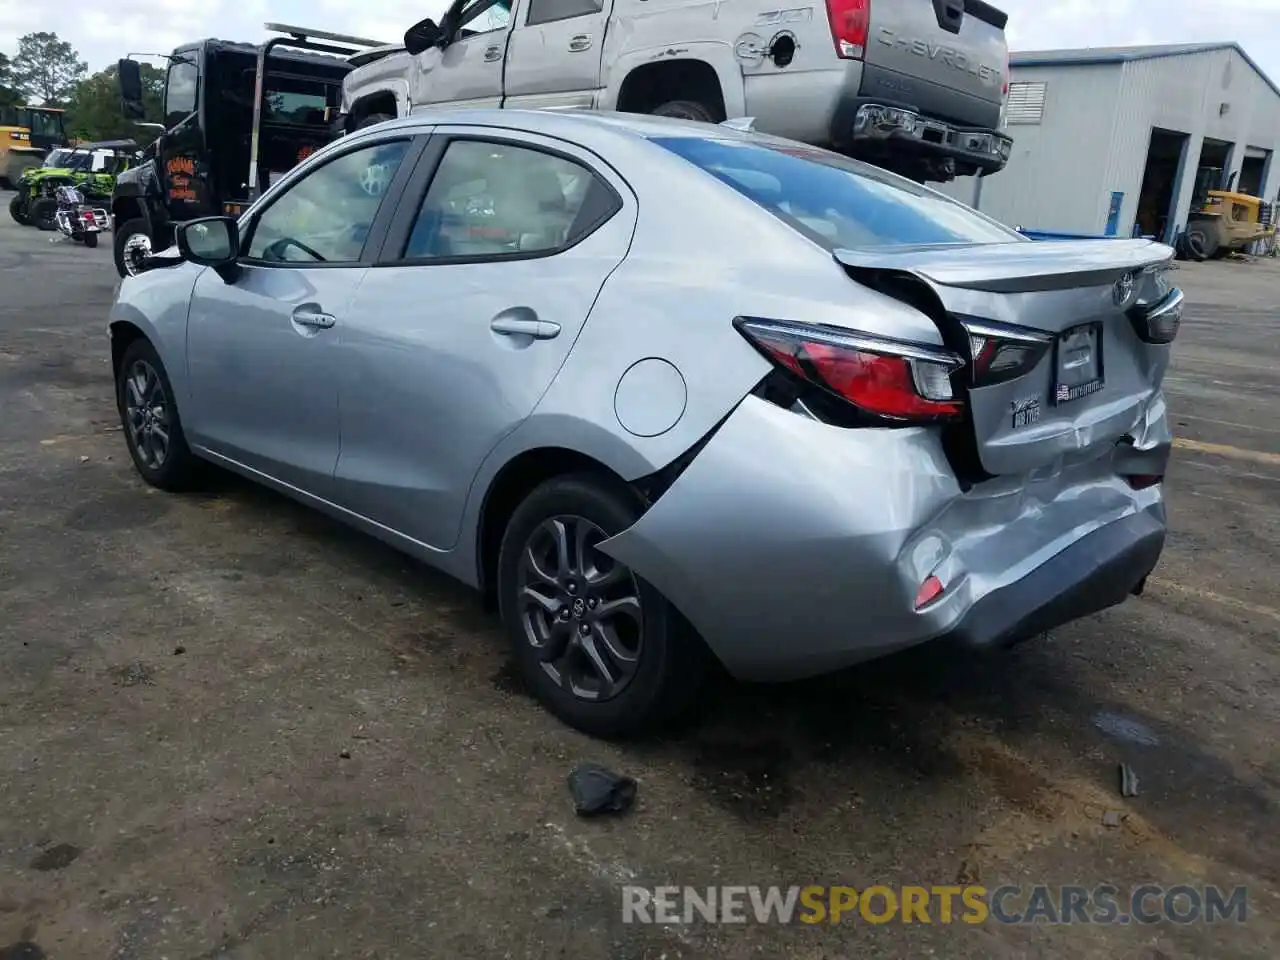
[[177, 468], [685, 110], [130, 228], [373, 118], [670, 660], [43, 213], [1200, 242], [17, 212], [90, 240]]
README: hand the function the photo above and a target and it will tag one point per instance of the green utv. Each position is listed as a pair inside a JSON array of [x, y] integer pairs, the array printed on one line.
[[92, 167]]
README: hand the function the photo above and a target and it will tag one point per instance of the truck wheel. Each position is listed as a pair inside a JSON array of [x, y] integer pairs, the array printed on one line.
[[1200, 242], [17, 211], [373, 118], [685, 110], [44, 213], [130, 236]]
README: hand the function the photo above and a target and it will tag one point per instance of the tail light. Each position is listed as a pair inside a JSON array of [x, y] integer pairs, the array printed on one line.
[[891, 380], [1142, 481], [1000, 352], [1008, 72], [1158, 322], [850, 22]]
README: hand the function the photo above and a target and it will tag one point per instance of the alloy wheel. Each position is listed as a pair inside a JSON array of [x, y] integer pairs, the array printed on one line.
[[147, 414], [581, 611]]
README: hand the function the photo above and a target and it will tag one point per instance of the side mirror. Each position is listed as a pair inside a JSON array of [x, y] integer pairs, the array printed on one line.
[[422, 36], [209, 241], [129, 75]]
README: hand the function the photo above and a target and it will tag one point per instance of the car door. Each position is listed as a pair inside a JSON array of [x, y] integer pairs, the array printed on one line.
[[466, 71], [262, 340], [477, 297], [553, 58]]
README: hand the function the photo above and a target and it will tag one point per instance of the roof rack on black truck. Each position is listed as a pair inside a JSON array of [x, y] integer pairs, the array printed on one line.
[[236, 117]]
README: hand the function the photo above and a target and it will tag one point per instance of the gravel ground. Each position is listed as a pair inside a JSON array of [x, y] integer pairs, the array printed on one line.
[[231, 728]]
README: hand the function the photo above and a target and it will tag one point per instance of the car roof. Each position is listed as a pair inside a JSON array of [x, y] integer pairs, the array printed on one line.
[[110, 145], [591, 128]]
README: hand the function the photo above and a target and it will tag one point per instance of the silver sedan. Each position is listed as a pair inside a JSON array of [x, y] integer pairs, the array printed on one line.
[[668, 392]]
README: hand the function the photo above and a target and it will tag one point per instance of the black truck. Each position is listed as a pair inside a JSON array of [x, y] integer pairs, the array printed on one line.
[[236, 116]]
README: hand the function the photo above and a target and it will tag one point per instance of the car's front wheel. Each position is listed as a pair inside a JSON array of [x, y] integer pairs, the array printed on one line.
[[149, 415], [18, 210], [600, 647]]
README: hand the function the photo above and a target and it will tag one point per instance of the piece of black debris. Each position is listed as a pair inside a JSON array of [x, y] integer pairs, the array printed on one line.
[[597, 789], [345, 755], [179, 651], [1128, 781]]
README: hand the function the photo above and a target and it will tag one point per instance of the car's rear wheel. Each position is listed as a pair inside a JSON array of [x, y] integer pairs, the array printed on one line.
[[685, 110], [373, 119], [149, 415], [600, 647], [44, 213]]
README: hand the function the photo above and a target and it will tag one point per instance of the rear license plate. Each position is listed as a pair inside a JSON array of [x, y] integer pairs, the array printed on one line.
[[1078, 363]]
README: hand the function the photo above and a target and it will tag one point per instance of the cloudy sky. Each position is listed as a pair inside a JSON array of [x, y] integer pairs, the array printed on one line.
[[103, 32]]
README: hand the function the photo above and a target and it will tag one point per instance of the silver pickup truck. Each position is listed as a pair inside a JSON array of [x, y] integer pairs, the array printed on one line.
[[917, 86]]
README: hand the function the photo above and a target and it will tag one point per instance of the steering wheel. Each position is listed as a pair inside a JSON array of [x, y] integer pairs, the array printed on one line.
[[277, 248], [375, 178]]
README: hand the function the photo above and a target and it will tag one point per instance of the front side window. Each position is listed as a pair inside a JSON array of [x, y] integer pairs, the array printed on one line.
[[492, 199], [325, 217], [835, 201], [483, 16], [549, 11], [180, 92], [45, 123]]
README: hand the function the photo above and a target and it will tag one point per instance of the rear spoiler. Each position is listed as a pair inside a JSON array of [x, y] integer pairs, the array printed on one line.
[[986, 13], [1014, 267]]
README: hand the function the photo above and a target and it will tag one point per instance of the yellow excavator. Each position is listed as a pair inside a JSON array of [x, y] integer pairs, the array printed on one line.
[[27, 134], [1223, 221]]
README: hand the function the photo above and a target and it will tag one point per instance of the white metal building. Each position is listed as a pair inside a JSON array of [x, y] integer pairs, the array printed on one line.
[[1109, 140]]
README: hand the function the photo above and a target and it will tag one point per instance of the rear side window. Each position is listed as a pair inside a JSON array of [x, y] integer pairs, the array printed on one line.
[[837, 202]]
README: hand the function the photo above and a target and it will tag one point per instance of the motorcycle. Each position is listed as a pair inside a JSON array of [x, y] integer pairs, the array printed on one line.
[[76, 219]]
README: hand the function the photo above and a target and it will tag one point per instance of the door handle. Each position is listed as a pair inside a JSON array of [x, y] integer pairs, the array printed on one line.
[[517, 326], [306, 317], [492, 53], [579, 43]]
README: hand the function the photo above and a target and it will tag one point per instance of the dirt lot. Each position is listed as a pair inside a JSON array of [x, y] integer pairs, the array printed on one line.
[[229, 728]]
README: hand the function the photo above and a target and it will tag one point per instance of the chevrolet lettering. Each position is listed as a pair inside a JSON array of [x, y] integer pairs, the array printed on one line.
[[941, 53]]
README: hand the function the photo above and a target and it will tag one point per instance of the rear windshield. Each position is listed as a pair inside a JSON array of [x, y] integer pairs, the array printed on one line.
[[837, 202]]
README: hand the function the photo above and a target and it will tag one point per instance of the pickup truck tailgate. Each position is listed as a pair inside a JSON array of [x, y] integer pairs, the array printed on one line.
[[953, 44]]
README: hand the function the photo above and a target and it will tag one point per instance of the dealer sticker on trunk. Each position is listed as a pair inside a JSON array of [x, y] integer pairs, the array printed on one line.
[[1079, 363]]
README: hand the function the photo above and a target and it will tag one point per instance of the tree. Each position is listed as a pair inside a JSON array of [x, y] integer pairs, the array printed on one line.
[[47, 68], [93, 108], [9, 97]]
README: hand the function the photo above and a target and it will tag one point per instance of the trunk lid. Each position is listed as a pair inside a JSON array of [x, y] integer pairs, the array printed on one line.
[[1088, 376], [956, 44]]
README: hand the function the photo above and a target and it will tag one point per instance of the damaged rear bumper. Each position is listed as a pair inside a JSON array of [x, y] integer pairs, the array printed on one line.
[[796, 548]]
